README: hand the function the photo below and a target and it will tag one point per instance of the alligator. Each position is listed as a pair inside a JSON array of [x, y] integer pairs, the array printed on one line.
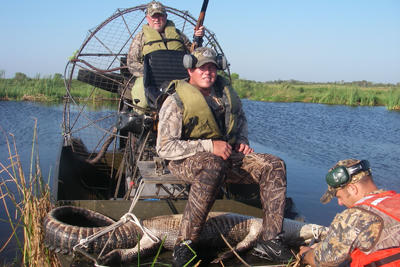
[[240, 231]]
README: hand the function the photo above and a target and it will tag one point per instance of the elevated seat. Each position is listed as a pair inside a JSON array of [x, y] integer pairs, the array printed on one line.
[[160, 180], [159, 69]]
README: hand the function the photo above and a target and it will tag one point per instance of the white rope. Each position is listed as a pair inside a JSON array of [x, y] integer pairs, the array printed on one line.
[[127, 217], [85, 241], [153, 238], [137, 195], [316, 231]]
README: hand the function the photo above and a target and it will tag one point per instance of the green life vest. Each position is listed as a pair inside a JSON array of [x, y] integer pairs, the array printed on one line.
[[198, 119], [154, 41]]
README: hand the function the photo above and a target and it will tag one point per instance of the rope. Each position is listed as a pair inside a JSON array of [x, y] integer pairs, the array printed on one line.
[[316, 231], [84, 241], [137, 195], [108, 240], [124, 219], [153, 238]]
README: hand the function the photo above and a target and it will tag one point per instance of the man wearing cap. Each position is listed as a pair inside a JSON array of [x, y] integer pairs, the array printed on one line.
[[368, 232], [159, 34], [203, 132]]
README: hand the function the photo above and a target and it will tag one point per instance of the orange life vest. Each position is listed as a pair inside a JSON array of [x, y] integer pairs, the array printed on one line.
[[388, 203]]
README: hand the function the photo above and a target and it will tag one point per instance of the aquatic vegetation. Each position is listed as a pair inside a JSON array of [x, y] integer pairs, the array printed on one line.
[[52, 88], [330, 93], [47, 88], [30, 199]]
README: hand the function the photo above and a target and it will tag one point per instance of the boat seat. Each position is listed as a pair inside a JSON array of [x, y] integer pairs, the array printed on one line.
[[159, 182], [159, 69]]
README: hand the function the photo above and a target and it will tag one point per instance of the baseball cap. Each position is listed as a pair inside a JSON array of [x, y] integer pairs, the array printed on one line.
[[362, 172], [205, 55], [155, 7]]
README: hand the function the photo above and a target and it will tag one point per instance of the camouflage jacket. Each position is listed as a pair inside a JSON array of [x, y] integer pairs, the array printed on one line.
[[135, 55], [359, 227], [169, 143]]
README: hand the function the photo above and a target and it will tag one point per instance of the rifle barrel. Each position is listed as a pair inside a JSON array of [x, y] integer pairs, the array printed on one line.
[[200, 22]]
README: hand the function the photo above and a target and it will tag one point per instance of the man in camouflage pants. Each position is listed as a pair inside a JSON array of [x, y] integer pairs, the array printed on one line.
[[368, 232], [165, 37], [203, 133]]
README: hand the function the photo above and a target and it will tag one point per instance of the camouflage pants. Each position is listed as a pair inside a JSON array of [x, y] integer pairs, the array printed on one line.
[[207, 172]]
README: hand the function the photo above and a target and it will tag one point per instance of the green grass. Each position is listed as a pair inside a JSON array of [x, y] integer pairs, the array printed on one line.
[[47, 89], [31, 200], [361, 93], [326, 94]]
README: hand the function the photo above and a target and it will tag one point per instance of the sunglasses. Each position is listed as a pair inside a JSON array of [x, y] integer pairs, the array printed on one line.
[[341, 176]]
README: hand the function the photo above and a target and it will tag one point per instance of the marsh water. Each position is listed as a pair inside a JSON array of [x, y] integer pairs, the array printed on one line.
[[309, 137]]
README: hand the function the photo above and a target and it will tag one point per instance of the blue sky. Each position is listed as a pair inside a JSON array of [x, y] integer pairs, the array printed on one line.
[[317, 41]]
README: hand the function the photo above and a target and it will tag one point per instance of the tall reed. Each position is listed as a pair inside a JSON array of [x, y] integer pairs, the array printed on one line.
[[325, 94], [47, 88], [393, 100], [31, 202]]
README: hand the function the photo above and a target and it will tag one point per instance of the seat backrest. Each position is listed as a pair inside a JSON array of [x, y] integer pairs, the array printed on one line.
[[163, 65], [160, 68]]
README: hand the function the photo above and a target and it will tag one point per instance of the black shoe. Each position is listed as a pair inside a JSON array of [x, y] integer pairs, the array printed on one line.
[[183, 255], [274, 250]]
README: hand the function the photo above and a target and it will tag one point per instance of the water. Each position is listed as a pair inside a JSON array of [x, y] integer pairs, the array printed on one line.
[[17, 118], [311, 138]]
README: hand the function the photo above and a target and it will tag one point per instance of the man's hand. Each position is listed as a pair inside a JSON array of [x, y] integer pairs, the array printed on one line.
[[200, 32], [222, 149], [245, 149], [306, 255]]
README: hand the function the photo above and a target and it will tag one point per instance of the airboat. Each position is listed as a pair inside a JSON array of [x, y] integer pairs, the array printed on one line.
[[107, 161]]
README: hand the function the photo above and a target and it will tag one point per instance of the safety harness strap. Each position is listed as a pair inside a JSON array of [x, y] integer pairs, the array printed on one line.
[[165, 41], [384, 261]]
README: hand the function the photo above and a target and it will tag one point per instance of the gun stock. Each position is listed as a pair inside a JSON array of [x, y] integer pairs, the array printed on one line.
[[198, 41]]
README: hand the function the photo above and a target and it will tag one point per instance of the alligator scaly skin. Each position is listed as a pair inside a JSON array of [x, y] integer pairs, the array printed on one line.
[[65, 226], [240, 230]]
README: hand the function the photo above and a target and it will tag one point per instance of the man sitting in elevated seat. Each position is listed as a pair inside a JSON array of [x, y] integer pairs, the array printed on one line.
[[203, 134], [158, 34]]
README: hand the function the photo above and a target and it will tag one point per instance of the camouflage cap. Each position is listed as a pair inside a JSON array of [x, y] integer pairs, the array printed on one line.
[[155, 7], [205, 55], [331, 192]]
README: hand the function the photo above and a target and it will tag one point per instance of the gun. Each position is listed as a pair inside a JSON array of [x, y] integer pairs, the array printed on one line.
[[198, 41]]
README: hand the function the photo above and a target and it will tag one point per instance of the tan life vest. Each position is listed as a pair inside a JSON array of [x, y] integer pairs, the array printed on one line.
[[154, 41], [198, 120]]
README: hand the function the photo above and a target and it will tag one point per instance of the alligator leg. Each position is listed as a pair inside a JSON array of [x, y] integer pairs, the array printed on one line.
[[147, 248], [247, 243]]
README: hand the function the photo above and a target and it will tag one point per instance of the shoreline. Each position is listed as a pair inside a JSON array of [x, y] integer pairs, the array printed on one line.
[[99, 100], [53, 89]]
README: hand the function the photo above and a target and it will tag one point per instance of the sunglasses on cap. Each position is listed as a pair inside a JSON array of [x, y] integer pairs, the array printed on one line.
[[341, 175]]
